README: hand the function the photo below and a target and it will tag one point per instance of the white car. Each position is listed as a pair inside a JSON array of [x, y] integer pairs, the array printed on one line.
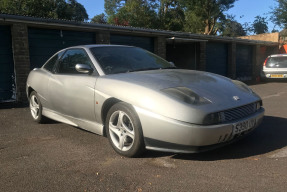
[[275, 66]]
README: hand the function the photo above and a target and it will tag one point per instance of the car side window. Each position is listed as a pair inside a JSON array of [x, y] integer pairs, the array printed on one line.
[[52, 62], [70, 59]]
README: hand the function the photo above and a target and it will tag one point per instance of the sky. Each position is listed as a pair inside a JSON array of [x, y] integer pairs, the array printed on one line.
[[244, 10]]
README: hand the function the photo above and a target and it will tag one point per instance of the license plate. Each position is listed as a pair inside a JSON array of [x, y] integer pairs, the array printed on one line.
[[277, 75], [243, 126]]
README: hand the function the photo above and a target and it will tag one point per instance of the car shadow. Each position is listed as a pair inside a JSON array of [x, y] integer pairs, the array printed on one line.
[[271, 135], [11, 105]]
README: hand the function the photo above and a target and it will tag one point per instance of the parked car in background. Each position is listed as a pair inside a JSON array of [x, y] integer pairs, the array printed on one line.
[[275, 67], [140, 101]]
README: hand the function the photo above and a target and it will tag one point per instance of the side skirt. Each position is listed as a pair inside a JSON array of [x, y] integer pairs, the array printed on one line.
[[83, 124]]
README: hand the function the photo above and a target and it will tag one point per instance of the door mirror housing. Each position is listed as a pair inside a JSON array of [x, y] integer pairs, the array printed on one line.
[[83, 68]]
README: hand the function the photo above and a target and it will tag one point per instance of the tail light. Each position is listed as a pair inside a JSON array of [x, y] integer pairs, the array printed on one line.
[[264, 64]]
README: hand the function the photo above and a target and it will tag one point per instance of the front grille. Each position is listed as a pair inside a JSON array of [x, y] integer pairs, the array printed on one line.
[[239, 112]]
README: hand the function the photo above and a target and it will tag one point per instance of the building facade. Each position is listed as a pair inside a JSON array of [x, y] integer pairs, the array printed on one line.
[[27, 42]]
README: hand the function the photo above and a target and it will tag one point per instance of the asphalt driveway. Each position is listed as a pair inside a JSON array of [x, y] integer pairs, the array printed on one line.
[[59, 157]]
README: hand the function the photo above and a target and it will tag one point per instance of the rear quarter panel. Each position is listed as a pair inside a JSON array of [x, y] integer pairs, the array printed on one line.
[[38, 80]]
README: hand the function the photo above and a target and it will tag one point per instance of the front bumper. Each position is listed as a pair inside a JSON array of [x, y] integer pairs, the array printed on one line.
[[165, 134]]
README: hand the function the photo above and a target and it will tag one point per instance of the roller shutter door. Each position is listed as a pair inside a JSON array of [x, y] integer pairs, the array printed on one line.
[[243, 62], [7, 77], [217, 58], [182, 55], [143, 42], [43, 43]]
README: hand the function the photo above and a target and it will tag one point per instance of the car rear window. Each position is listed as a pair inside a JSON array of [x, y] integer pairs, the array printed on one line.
[[279, 62]]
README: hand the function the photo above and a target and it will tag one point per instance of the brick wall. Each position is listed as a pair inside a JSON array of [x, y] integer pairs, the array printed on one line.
[[160, 46], [202, 56], [21, 59], [231, 60]]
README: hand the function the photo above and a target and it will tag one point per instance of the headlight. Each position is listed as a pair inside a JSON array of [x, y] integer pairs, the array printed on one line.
[[186, 95]]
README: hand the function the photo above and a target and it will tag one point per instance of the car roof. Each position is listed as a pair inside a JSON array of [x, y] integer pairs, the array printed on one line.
[[97, 45], [279, 55]]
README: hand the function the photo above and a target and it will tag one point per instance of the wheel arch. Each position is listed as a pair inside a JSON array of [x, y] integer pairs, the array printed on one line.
[[29, 91], [105, 109]]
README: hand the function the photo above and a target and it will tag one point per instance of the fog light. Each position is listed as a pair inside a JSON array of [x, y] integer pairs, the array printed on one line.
[[268, 75]]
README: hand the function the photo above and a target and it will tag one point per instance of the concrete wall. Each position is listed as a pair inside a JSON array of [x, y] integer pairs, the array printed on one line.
[[273, 37]]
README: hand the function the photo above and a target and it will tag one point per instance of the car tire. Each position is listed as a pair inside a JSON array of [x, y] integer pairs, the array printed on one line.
[[36, 108], [124, 131]]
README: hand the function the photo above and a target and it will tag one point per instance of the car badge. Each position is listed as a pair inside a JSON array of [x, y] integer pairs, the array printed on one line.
[[236, 98]]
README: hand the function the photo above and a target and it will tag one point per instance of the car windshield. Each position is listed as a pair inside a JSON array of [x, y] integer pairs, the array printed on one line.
[[116, 59], [280, 62]]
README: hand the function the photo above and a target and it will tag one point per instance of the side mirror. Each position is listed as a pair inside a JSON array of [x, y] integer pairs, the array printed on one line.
[[83, 68]]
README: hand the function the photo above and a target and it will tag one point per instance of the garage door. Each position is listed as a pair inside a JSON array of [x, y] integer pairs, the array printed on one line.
[[183, 55], [217, 58], [143, 42], [44, 43], [7, 78], [244, 62]]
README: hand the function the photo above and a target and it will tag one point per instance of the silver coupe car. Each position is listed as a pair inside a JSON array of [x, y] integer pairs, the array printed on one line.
[[140, 101]]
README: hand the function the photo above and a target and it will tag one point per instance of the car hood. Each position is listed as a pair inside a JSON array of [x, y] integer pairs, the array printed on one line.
[[133, 87]]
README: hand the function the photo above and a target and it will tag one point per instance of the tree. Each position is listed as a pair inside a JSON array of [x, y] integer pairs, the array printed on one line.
[[112, 6], [170, 14], [77, 11], [260, 25], [207, 14], [196, 16], [136, 13], [101, 18], [280, 13], [231, 28], [57, 9]]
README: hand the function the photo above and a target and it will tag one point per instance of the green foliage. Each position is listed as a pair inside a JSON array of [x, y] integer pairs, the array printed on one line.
[[231, 28], [112, 6], [136, 13], [101, 18], [170, 15], [280, 13], [207, 13], [192, 23], [260, 25], [196, 16], [58, 9]]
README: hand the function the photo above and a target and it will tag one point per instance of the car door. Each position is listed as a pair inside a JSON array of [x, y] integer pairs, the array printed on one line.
[[48, 67], [72, 92]]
